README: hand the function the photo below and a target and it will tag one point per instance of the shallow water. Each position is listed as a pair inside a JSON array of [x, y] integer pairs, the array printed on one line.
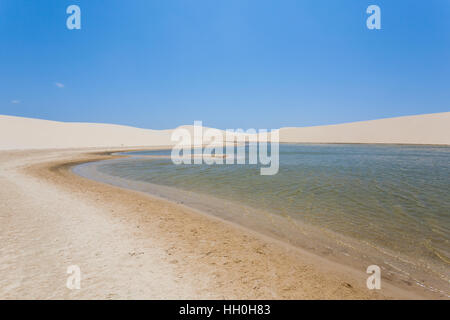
[[390, 201]]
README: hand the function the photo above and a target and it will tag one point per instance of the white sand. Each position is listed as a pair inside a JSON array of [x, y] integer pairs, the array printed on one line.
[[25, 133], [421, 129]]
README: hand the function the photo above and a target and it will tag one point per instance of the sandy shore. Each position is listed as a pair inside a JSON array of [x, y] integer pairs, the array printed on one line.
[[131, 245]]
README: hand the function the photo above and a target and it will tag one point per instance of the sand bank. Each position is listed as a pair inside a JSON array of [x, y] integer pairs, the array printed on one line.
[[131, 245]]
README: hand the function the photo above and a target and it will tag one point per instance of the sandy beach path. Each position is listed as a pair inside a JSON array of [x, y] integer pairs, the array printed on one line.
[[44, 230], [130, 245]]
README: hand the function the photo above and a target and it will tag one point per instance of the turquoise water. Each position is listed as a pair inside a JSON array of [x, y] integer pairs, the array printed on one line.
[[393, 199]]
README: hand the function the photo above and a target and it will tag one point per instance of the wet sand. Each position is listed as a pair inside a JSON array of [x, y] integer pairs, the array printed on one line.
[[131, 245]]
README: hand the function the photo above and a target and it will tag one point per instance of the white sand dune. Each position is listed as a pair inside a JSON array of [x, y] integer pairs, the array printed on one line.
[[26, 133], [422, 129]]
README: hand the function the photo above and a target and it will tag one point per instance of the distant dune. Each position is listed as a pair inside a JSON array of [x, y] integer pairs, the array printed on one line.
[[422, 129], [26, 133]]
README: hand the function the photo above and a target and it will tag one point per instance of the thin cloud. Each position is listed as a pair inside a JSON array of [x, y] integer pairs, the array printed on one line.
[[15, 101], [59, 84]]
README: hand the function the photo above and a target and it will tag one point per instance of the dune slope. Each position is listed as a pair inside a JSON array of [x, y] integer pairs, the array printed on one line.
[[26, 133]]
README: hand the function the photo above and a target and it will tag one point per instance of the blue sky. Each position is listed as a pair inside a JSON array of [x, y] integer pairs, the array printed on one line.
[[230, 63]]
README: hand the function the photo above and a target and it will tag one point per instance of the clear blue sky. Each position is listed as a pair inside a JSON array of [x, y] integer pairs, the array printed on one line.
[[230, 63]]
